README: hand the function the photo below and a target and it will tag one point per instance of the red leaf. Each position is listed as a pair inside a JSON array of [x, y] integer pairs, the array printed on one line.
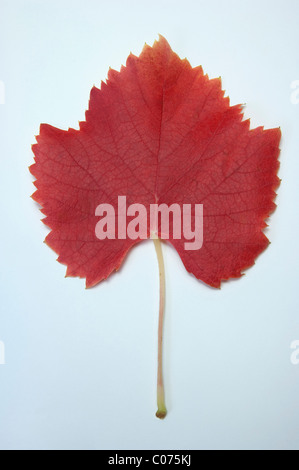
[[158, 131]]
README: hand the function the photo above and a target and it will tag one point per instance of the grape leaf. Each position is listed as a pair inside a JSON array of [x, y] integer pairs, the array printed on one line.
[[158, 131]]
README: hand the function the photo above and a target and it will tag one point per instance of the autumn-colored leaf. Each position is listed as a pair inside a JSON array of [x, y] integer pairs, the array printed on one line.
[[158, 131]]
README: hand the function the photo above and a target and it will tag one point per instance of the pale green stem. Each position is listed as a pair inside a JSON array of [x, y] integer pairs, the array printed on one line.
[[161, 412]]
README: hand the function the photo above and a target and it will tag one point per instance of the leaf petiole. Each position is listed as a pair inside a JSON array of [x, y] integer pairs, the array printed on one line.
[[161, 412]]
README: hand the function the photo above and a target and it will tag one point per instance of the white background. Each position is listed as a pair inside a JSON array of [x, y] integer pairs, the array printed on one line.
[[80, 366]]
